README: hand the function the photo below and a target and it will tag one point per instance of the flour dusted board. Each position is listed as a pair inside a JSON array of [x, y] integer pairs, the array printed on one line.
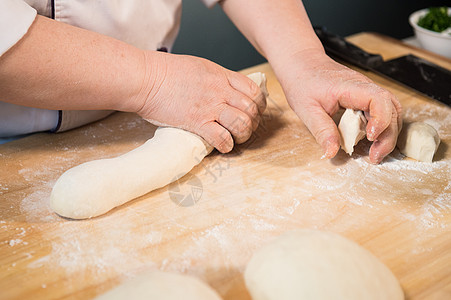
[[399, 210]]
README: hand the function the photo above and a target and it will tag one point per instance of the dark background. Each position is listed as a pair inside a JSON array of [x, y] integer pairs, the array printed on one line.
[[209, 33]]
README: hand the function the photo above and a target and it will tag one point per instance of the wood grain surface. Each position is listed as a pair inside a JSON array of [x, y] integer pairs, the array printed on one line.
[[209, 223]]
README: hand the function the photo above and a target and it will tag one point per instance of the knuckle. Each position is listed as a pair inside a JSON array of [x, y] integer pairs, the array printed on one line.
[[321, 135], [254, 89], [387, 96], [246, 124], [221, 111], [243, 137], [398, 106], [252, 110], [378, 93], [256, 123], [243, 129]]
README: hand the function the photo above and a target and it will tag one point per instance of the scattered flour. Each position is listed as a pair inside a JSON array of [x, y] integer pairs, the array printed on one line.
[[15, 242], [256, 208]]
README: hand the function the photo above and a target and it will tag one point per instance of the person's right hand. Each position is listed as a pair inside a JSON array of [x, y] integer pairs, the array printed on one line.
[[202, 97]]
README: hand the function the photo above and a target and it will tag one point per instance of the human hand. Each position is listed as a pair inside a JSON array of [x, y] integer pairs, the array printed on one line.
[[200, 96], [316, 87]]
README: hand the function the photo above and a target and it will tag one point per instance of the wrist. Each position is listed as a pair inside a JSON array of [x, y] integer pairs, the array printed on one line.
[[291, 68], [153, 74]]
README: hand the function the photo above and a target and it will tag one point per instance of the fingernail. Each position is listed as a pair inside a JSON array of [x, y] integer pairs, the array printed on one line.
[[330, 150], [326, 150], [226, 146]]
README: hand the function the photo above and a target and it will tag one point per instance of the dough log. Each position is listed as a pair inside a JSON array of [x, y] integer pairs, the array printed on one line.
[[311, 264], [93, 188]]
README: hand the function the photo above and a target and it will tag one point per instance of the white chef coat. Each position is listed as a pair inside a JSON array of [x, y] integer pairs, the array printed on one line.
[[146, 24]]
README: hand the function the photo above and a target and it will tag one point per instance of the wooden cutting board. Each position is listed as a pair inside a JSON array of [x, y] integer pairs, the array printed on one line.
[[231, 204]]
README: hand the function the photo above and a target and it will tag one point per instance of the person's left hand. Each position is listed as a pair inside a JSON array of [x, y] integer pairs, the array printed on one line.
[[316, 87]]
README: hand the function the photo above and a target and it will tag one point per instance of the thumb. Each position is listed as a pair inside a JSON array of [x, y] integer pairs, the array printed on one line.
[[323, 128]]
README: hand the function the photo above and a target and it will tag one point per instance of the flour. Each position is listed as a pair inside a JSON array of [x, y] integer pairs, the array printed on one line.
[[244, 204], [36, 205], [437, 117], [292, 208], [15, 242], [227, 246], [116, 246]]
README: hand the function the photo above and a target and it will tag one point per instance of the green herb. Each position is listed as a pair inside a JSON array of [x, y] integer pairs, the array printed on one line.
[[437, 19]]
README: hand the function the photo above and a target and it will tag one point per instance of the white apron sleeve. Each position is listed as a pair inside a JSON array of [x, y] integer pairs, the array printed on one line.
[[16, 17], [210, 3]]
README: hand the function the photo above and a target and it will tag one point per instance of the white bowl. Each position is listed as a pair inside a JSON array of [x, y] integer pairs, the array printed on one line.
[[430, 40]]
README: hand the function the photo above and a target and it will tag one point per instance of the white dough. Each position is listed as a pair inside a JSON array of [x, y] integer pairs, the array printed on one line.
[[158, 285], [311, 264], [352, 128], [260, 79], [419, 141], [93, 188]]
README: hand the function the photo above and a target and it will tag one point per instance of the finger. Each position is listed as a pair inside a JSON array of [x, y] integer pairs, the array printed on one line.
[[246, 105], [323, 129], [217, 136], [237, 123], [369, 97], [249, 88], [386, 141], [381, 111]]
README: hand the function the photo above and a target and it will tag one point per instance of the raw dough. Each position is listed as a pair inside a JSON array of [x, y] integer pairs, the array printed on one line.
[[159, 285], [260, 79], [311, 264], [93, 188], [419, 141], [352, 129]]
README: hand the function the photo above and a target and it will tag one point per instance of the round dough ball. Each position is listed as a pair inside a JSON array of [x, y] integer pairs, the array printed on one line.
[[310, 264], [161, 285], [418, 140]]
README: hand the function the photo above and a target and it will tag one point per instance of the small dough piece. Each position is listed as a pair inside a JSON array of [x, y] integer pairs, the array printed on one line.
[[94, 188], [419, 141], [352, 128], [312, 264], [260, 79], [161, 285]]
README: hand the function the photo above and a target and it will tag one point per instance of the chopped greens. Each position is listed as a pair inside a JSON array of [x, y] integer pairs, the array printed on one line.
[[437, 19]]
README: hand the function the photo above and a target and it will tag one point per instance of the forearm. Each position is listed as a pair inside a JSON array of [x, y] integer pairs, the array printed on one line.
[[277, 29], [58, 66], [315, 85]]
